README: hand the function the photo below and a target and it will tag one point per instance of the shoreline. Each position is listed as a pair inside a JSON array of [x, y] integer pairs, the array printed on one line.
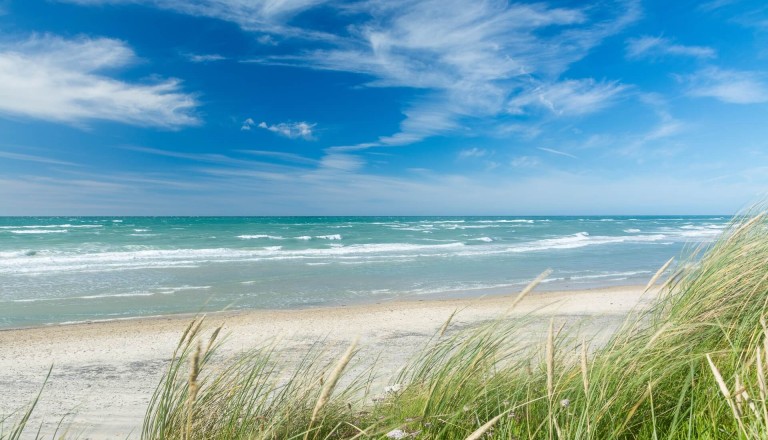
[[105, 372], [434, 298]]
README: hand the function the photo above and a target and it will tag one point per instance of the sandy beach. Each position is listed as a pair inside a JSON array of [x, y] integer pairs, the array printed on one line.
[[104, 373]]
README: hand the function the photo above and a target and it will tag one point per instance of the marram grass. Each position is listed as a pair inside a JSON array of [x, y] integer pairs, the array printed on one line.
[[691, 366]]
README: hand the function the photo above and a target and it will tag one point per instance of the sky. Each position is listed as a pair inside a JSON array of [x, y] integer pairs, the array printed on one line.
[[382, 107]]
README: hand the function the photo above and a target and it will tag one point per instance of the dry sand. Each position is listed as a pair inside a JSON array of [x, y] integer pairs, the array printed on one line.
[[104, 373]]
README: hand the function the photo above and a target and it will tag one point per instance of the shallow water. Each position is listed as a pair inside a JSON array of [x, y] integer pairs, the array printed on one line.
[[70, 269]]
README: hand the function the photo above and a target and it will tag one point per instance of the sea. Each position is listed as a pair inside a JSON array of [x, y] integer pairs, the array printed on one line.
[[56, 270]]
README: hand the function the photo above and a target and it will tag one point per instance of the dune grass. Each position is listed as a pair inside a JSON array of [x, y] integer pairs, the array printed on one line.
[[691, 366]]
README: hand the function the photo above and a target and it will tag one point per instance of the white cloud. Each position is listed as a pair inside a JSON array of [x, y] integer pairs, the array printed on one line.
[[291, 130], [558, 152], [34, 158], [525, 162], [569, 97], [247, 125], [472, 152], [471, 58], [251, 15], [204, 58], [341, 162], [55, 79], [280, 155], [652, 47], [732, 86]]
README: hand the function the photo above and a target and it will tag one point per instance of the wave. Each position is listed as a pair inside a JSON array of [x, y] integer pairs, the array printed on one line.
[[610, 275], [160, 291], [329, 237], [507, 221], [39, 231], [483, 239], [260, 236], [582, 239], [22, 263], [50, 226]]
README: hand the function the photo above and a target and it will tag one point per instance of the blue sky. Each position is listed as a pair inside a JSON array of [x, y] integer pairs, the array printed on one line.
[[382, 107]]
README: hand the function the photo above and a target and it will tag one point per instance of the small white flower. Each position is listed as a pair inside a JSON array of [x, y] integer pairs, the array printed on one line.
[[397, 434], [565, 403]]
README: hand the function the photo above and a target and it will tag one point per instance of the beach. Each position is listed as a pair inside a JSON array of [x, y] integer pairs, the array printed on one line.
[[104, 373]]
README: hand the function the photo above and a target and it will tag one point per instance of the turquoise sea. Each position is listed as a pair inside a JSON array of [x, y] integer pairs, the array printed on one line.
[[73, 269]]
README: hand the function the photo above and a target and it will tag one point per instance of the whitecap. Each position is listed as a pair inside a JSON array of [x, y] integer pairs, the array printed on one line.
[[259, 236], [329, 237], [39, 231]]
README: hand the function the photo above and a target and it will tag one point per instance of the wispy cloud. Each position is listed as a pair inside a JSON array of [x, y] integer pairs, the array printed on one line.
[[61, 80], [648, 142], [252, 15], [287, 157], [732, 86], [204, 58], [570, 97], [716, 4], [34, 158], [656, 47], [557, 152], [472, 152], [472, 59], [525, 162], [341, 162], [291, 130]]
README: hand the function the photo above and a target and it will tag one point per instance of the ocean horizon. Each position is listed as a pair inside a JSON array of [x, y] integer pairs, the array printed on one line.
[[56, 270]]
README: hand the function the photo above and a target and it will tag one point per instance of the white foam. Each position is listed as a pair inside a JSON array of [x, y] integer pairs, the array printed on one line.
[[632, 231], [172, 290], [141, 258], [259, 236], [484, 239], [507, 221], [304, 237], [573, 241], [39, 231], [329, 237], [50, 226], [477, 226], [582, 239], [610, 275]]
